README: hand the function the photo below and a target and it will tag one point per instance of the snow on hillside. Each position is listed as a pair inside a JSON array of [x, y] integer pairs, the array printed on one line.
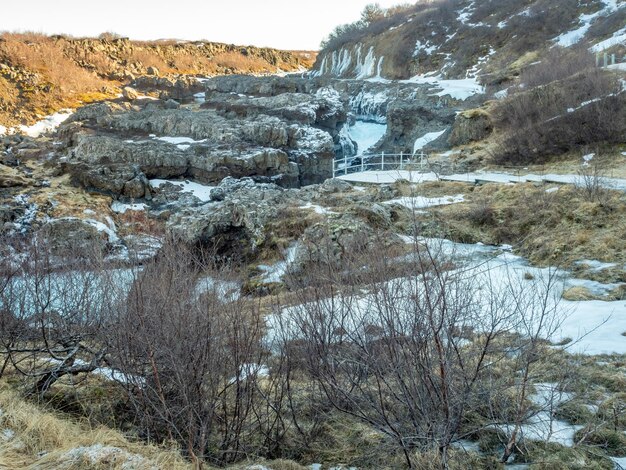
[[569, 38], [458, 89]]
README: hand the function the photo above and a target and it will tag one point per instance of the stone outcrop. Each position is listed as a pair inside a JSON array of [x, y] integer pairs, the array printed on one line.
[[290, 139], [471, 126]]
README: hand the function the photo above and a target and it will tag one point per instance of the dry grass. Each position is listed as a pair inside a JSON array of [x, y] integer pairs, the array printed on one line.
[[235, 61], [556, 228], [41, 55], [50, 73], [45, 441]]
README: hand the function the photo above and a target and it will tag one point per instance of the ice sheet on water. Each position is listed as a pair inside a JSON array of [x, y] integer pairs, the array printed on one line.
[[366, 134]]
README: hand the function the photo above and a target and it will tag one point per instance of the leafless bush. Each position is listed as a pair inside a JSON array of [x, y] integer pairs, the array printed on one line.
[[195, 366], [51, 318], [557, 64], [412, 356], [592, 183], [559, 117], [377, 21]]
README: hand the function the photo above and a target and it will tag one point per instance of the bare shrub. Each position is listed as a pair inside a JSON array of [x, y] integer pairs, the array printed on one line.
[[194, 362], [557, 64], [412, 355], [53, 317], [560, 116], [592, 184]]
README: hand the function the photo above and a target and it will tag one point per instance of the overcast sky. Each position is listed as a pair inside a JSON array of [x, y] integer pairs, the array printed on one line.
[[286, 24]]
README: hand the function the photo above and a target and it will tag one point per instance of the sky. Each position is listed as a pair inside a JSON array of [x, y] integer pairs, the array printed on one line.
[[285, 24]]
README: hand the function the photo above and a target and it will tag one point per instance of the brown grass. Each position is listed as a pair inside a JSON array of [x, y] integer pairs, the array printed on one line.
[[51, 73], [556, 228], [41, 55], [235, 61], [43, 440]]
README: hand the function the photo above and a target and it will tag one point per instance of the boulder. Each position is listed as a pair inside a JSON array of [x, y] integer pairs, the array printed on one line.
[[74, 235], [130, 94], [471, 126], [117, 180]]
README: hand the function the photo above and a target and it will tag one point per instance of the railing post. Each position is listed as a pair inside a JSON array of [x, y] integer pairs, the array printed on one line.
[[345, 164], [382, 162], [401, 160], [362, 163]]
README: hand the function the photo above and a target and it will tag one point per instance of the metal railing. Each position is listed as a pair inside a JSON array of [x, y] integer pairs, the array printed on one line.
[[377, 162]]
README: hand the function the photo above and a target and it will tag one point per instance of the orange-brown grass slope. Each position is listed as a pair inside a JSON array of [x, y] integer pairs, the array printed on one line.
[[42, 74]]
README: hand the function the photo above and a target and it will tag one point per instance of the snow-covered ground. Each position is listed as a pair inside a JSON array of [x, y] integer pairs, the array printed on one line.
[[317, 209], [121, 208], [201, 191], [595, 327], [47, 124], [543, 426], [387, 177], [391, 176], [585, 21], [275, 272], [183, 143], [421, 202], [426, 139], [618, 37]]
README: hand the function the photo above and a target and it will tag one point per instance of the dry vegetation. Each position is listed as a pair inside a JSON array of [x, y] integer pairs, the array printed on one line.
[[563, 103], [549, 228], [41, 74], [338, 382]]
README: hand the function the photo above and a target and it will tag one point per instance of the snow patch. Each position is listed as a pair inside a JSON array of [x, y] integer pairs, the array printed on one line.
[[619, 37], [318, 209], [183, 143], [585, 22], [274, 273], [458, 89], [48, 124], [121, 208], [423, 141], [201, 191], [421, 202]]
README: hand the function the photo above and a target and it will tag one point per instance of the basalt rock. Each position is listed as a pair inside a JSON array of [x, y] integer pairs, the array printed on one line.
[[471, 126]]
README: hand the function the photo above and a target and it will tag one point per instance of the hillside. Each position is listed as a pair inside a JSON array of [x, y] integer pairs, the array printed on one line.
[[40, 74], [457, 38]]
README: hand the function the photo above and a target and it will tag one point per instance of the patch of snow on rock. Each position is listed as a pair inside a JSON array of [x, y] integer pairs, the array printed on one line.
[[460, 89], [121, 208], [201, 191], [426, 139]]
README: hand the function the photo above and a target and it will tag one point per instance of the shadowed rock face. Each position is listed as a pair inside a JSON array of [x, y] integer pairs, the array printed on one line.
[[290, 138]]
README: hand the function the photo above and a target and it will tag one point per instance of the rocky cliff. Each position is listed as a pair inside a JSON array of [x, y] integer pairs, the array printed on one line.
[[40, 75]]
